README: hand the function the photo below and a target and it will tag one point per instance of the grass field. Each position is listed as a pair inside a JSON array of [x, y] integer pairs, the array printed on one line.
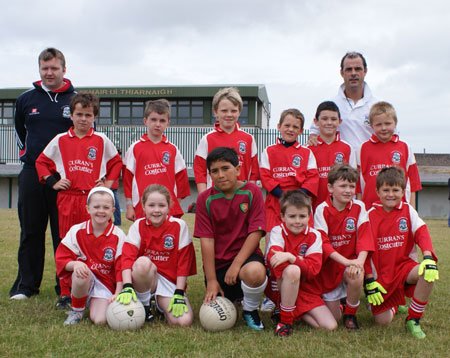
[[33, 328]]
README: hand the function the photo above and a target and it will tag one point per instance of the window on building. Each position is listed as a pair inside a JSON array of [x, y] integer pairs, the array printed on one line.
[[6, 112], [187, 112], [130, 112], [105, 115]]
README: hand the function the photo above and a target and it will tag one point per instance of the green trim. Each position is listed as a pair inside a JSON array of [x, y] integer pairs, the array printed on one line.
[[222, 195]]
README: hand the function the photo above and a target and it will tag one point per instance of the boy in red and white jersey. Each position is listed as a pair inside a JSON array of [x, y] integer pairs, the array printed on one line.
[[385, 149], [158, 255], [76, 161], [287, 165], [154, 160], [90, 255], [398, 230], [294, 258], [330, 149], [227, 106], [347, 240]]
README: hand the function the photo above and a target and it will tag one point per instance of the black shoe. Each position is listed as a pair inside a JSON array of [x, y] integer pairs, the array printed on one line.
[[149, 317], [253, 320], [64, 302], [350, 322], [275, 316], [283, 330]]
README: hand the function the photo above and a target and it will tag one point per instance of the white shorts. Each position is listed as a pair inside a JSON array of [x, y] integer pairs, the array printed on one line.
[[338, 293], [164, 288], [98, 289]]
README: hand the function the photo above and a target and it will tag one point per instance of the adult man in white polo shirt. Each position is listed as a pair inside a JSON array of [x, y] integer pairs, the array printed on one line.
[[354, 100]]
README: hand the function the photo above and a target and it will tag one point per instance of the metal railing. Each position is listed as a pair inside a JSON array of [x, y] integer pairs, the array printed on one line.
[[185, 138]]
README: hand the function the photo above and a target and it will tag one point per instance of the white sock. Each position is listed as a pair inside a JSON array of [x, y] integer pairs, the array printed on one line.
[[144, 297], [252, 296]]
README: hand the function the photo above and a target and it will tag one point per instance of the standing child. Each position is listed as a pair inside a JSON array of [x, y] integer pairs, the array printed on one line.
[[90, 254], [230, 222], [294, 258], [73, 163], [347, 240], [287, 165], [397, 230], [385, 149], [154, 160], [330, 149], [227, 106], [158, 255]]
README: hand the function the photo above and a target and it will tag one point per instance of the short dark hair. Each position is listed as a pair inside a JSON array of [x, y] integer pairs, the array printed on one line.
[[224, 154], [86, 99], [342, 171], [50, 53], [296, 198], [327, 106], [391, 176], [353, 54], [160, 106]]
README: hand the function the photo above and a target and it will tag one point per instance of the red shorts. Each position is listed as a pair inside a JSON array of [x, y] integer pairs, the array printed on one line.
[[71, 209], [397, 289]]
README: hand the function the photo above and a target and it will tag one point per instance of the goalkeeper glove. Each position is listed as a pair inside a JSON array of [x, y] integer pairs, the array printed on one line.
[[127, 294], [178, 304], [373, 291], [428, 268]]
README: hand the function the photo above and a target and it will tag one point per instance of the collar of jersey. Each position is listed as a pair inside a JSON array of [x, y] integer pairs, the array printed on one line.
[[220, 130], [347, 207], [145, 138], [295, 145], [108, 231], [73, 135], [379, 205], [221, 193], [336, 139], [287, 232], [374, 139]]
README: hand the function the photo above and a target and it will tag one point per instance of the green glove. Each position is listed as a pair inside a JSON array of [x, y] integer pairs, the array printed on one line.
[[178, 304], [373, 291], [127, 294], [430, 267]]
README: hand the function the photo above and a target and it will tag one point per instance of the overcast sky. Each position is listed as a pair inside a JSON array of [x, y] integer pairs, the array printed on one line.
[[292, 46]]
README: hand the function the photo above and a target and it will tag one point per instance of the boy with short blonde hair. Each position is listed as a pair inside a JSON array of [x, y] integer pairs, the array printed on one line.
[[154, 160], [227, 107], [385, 149], [397, 230]]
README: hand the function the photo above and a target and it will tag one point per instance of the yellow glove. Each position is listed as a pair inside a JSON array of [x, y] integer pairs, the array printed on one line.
[[429, 269]]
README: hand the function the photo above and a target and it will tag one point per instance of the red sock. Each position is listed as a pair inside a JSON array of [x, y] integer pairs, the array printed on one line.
[[287, 314], [351, 309], [416, 309], [65, 287], [79, 303]]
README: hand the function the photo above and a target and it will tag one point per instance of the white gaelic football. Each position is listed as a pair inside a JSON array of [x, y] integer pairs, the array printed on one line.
[[125, 317], [219, 315]]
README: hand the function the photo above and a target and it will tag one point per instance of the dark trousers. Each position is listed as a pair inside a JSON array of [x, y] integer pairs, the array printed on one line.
[[37, 202]]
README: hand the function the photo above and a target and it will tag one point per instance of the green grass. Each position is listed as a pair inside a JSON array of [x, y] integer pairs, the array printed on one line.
[[33, 328]]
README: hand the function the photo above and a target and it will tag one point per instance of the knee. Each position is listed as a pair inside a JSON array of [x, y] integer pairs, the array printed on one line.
[[98, 321], [292, 273], [384, 319], [331, 325], [143, 266], [253, 274], [81, 281]]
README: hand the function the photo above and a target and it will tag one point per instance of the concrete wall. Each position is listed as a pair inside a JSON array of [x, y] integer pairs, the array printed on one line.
[[433, 202]]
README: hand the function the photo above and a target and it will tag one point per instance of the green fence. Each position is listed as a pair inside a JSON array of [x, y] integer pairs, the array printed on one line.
[[185, 138]]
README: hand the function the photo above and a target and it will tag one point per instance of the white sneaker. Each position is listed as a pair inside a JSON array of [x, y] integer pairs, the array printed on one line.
[[73, 317], [19, 296], [267, 305]]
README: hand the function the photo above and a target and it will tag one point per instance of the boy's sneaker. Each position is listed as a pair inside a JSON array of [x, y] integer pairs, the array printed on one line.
[[267, 305], [283, 330], [73, 317], [253, 320], [275, 316], [19, 297], [350, 322], [64, 302], [413, 326], [402, 309]]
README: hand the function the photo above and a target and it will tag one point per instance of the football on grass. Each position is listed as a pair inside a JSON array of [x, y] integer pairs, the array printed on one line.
[[125, 317], [219, 315]]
